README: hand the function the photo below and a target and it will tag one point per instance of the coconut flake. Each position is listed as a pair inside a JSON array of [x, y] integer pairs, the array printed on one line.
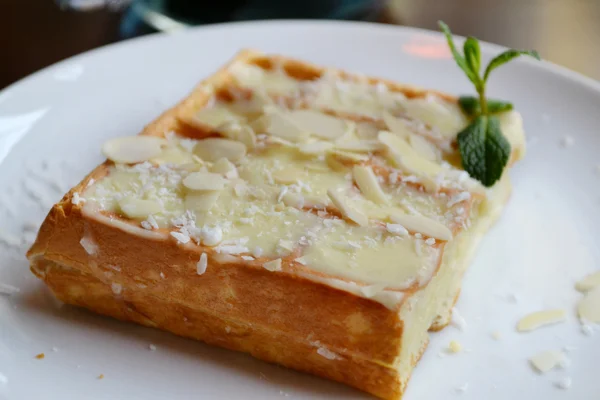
[[212, 236], [564, 383], [459, 198], [8, 289], [117, 288], [328, 354], [273, 265], [89, 245], [181, 237], [457, 320], [77, 199], [202, 264]]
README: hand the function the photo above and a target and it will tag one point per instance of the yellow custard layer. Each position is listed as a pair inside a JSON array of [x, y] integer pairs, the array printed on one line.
[[370, 202]]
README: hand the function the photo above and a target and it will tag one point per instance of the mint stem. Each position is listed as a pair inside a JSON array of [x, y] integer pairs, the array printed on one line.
[[482, 100]]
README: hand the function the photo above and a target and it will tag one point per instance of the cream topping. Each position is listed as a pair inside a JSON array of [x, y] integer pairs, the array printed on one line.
[[324, 194]]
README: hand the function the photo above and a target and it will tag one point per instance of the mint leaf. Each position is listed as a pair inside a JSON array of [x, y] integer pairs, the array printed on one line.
[[471, 107], [460, 60], [505, 57], [484, 150], [472, 54]]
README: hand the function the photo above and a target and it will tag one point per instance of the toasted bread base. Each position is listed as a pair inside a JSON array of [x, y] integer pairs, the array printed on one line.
[[279, 347]]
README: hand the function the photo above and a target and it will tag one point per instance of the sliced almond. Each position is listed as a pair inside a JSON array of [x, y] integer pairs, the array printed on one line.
[[346, 156], [335, 163], [273, 265], [286, 245], [538, 319], [215, 117], [366, 130], [317, 167], [172, 155], [282, 142], [423, 147], [423, 225], [316, 202], [212, 149], [346, 209], [287, 175], [359, 146], [224, 167], [368, 184], [278, 124], [138, 208], [252, 76], [314, 148], [318, 124], [547, 360], [240, 133], [589, 307], [396, 125], [438, 113], [133, 149], [295, 200], [372, 290], [589, 282], [201, 202], [404, 156], [191, 167], [204, 181]]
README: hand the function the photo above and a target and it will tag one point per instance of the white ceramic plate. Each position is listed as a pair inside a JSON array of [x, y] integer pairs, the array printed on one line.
[[53, 123]]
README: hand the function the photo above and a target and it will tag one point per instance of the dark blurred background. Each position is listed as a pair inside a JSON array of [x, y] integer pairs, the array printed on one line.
[[37, 33]]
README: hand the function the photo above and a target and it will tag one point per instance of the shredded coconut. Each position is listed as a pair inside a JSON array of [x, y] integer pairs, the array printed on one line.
[[459, 198], [328, 354], [116, 288], [212, 236], [76, 199], [202, 264], [89, 245], [564, 383], [150, 223], [181, 237], [457, 320], [257, 252], [396, 229], [8, 289], [463, 388], [9, 239], [567, 141]]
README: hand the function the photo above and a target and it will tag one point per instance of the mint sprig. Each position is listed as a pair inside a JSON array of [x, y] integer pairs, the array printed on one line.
[[483, 148]]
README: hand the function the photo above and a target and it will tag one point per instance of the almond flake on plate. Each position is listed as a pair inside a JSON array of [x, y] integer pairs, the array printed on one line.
[[588, 308], [538, 319], [546, 360], [588, 283], [8, 289]]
